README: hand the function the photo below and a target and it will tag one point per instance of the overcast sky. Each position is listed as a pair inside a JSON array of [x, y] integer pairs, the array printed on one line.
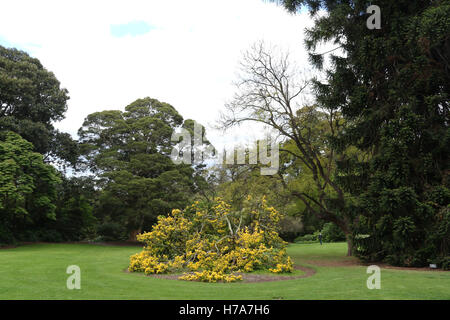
[[110, 53]]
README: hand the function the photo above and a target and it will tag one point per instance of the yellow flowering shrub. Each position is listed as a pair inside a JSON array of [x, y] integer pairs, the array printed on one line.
[[211, 243], [210, 276]]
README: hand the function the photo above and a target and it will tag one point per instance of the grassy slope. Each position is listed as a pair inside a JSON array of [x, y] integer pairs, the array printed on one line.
[[38, 272]]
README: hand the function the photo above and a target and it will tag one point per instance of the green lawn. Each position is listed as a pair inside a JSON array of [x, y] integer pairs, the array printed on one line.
[[39, 272]]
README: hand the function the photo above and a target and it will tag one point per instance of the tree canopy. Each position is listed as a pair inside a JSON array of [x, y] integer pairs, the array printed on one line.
[[27, 187], [131, 153], [31, 100]]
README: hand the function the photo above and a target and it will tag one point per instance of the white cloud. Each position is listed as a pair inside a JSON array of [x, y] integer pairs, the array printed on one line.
[[189, 60]]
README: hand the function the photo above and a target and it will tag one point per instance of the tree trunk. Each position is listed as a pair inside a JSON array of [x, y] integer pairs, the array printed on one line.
[[349, 244], [135, 232], [133, 235]]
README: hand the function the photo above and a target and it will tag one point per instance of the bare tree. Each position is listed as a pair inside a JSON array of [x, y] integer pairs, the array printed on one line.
[[270, 91]]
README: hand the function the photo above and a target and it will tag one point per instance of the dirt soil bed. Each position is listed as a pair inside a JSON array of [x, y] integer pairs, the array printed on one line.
[[250, 277], [357, 263]]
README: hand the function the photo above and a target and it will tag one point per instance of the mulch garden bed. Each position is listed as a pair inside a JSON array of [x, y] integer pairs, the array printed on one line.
[[250, 277]]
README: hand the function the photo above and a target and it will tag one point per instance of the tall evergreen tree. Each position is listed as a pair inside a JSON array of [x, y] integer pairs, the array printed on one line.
[[392, 86]]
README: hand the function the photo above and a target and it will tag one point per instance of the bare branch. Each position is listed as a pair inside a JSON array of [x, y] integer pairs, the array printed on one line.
[[269, 91]]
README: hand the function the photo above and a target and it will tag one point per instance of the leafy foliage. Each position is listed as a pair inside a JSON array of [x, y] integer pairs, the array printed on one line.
[[331, 233], [235, 182], [27, 186], [30, 101], [392, 87], [130, 151]]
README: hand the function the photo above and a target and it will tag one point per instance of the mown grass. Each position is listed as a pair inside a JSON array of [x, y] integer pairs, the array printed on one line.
[[39, 272]]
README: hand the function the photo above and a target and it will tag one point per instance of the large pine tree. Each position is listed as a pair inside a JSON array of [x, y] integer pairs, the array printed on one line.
[[392, 86]]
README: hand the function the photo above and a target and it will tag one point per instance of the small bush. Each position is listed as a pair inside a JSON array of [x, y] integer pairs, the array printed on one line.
[[332, 233], [49, 236], [290, 228], [444, 263], [111, 231], [306, 238], [6, 236]]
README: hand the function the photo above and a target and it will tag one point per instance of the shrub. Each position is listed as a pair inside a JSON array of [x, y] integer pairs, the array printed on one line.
[[6, 236], [332, 233], [211, 243], [111, 231], [290, 228], [210, 276], [49, 235], [306, 238], [445, 263]]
